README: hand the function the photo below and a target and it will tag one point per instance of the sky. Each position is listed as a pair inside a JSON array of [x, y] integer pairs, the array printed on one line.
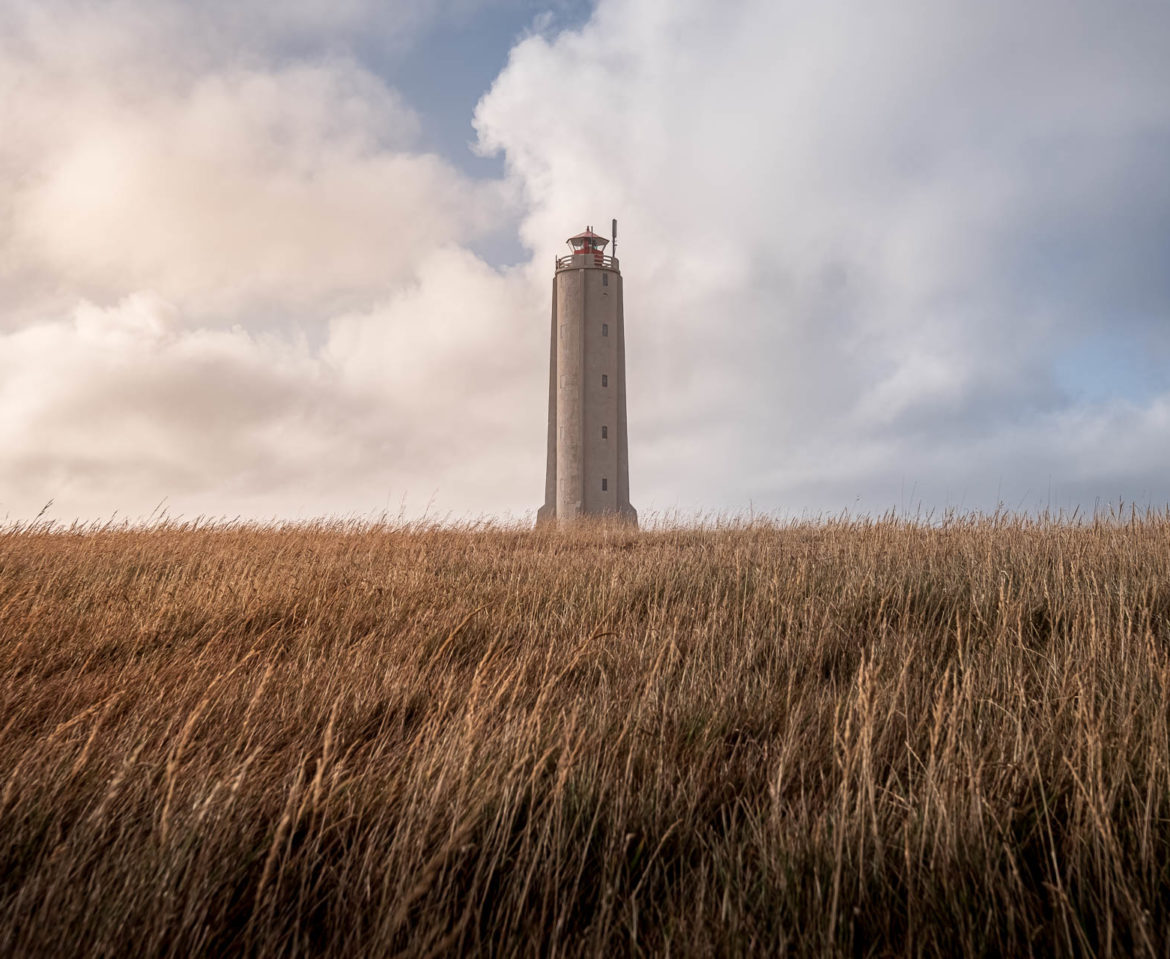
[[280, 261]]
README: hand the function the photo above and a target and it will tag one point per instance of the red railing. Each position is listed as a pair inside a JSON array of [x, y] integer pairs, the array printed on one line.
[[593, 260]]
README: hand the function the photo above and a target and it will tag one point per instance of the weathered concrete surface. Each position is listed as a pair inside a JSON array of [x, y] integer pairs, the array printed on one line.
[[587, 470]]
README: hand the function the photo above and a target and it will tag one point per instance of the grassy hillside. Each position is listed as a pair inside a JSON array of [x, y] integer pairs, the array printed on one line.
[[841, 738]]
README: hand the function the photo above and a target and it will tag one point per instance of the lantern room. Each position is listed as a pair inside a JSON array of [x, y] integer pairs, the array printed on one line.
[[587, 242]]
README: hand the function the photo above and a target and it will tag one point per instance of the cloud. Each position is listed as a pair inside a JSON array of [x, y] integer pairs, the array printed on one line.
[[192, 36], [123, 401], [856, 239], [871, 256], [293, 189], [423, 396], [239, 286]]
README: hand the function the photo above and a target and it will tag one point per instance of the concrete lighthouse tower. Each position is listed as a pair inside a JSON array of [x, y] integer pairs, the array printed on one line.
[[588, 473]]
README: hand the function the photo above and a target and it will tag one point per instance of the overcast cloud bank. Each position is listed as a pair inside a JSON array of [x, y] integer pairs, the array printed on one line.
[[872, 258]]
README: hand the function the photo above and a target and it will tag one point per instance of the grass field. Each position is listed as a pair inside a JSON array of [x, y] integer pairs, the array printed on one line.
[[862, 738]]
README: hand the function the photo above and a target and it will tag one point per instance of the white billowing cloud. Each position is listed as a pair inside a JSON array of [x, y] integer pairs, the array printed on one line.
[[289, 188], [124, 402], [863, 249], [855, 237], [117, 408], [456, 309], [235, 283]]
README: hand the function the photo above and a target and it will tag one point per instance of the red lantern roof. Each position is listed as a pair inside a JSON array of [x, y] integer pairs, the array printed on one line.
[[588, 234]]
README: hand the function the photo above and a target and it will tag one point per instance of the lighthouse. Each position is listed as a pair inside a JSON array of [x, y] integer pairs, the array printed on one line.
[[587, 473]]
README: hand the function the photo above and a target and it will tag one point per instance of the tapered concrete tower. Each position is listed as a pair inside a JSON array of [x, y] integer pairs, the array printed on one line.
[[588, 473]]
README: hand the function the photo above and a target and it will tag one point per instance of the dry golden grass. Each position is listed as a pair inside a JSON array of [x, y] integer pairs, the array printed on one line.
[[832, 738]]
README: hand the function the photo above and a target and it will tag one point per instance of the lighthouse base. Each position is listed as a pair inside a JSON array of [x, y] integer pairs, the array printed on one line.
[[547, 516]]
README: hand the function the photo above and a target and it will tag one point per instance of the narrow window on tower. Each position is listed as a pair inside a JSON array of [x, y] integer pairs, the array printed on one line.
[[605, 279], [605, 432], [605, 329], [604, 484], [604, 380]]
